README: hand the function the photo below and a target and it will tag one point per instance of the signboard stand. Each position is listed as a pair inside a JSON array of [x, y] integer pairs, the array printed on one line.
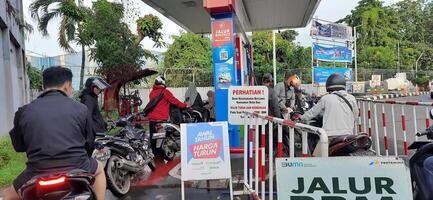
[[205, 153]]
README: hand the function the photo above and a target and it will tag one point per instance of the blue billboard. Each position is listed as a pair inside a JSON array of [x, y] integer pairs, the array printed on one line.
[[332, 54], [321, 74]]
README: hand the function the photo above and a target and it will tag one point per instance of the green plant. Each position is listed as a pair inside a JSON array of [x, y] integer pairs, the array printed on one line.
[[11, 162], [35, 77]]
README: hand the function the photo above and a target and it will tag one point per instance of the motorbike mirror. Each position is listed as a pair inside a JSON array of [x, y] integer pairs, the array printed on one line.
[[431, 114]]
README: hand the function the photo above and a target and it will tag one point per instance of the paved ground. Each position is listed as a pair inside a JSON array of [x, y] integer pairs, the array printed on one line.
[[410, 125]]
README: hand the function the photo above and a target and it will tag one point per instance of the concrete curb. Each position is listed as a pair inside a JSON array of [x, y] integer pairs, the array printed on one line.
[[391, 96]]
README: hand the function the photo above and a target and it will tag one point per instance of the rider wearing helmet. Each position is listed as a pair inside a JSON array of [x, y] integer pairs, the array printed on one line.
[[287, 92], [161, 111], [89, 97], [338, 108], [273, 108]]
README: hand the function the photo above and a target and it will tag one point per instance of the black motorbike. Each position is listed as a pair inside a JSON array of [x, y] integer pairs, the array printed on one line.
[[124, 155], [167, 136], [74, 184], [422, 180]]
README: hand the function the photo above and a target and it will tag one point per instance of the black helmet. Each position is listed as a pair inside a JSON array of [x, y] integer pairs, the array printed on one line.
[[96, 82], [335, 82], [160, 80], [267, 78]]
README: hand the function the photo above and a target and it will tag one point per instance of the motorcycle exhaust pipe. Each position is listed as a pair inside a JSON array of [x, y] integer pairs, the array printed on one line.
[[128, 166]]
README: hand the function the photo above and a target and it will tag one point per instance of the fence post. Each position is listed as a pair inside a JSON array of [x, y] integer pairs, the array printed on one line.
[[415, 124], [359, 118], [263, 158], [385, 135], [376, 129], [369, 120], [304, 143], [271, 159], [364, 113], [280, 141], [246, 148], [427, 117], [403, 126], [252, 131], [394, 130], [256, 153], [292, 141]]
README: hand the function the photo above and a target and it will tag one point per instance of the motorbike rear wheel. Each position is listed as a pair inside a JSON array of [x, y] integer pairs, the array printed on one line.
[[167, 151], [118, 181]]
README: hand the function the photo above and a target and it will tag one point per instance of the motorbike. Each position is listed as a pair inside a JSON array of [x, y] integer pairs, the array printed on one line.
[[421, 178], [74, 184], [167, 136], [124, 155]]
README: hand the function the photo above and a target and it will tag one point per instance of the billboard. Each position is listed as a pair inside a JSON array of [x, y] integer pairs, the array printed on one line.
[[332, 54], [322, 73], [338, 31]]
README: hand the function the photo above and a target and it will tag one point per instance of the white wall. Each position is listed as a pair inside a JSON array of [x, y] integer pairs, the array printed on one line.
[[177, 92]]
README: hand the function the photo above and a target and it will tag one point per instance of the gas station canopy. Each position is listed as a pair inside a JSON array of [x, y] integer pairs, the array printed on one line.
[[252, 15]]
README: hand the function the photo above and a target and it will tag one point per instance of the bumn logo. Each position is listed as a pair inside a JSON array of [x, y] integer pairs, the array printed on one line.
[[292, 164]]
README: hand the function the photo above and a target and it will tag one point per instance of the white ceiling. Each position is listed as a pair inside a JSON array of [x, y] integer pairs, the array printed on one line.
[[262, 14]]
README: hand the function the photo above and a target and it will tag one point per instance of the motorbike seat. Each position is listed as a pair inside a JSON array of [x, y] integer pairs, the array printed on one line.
[[341, 138]]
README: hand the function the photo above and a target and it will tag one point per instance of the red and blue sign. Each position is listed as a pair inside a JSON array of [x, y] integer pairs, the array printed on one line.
[[204, 141]]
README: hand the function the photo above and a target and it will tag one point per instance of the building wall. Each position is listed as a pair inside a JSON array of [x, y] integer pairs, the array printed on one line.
[[14, 84]]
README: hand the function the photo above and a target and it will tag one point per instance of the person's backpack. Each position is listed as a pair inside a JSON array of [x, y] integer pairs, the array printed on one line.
[[152, 104]]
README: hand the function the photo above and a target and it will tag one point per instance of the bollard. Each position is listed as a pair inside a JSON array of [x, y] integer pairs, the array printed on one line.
[[369, 120], [256, 168], [280, 141], [394, 130], [427, 117], [292, 142]]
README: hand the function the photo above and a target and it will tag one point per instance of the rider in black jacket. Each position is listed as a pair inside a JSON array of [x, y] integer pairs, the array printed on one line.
[[93, 87], [56, 133]]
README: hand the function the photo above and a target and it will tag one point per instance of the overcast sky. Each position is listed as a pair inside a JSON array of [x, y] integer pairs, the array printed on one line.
[[331, 10]]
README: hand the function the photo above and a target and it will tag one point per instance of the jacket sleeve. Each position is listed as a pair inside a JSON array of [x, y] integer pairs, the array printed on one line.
[[315, 110], [89, 104], [276, 107], [16, 134], [89, 135], [173, 100], [279, 91]]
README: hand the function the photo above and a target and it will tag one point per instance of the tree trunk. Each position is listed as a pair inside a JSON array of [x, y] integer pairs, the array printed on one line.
[[111, 97], [111, 94], [83, 63]]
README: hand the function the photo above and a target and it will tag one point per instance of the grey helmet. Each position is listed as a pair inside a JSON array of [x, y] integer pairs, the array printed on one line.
[[267, 78], [96, 82], [335, 82]]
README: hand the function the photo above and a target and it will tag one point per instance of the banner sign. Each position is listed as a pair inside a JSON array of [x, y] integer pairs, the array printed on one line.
[[343, 178], [205, 151], [338, 31], [246, 99], [332, 54], [321, 74], [223, 52]]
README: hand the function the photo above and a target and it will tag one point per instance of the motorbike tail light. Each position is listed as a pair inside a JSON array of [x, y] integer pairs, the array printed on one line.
[[52, 181]]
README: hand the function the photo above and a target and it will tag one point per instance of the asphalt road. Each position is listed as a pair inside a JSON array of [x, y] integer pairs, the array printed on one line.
[[421, 115]]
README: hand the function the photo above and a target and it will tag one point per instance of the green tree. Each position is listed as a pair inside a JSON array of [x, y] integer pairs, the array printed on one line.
[[291, 57], [70, 28], [35, 77], [192, 53], [116, 49]]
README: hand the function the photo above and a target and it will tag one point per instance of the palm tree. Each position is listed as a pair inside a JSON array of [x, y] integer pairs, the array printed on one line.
[[71, 16]]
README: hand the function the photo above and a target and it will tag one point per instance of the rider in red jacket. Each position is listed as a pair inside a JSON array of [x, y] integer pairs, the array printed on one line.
[[161, 112]]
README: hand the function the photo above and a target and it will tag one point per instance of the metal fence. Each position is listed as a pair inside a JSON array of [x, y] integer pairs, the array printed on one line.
[[182, 77], [365, 74]]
